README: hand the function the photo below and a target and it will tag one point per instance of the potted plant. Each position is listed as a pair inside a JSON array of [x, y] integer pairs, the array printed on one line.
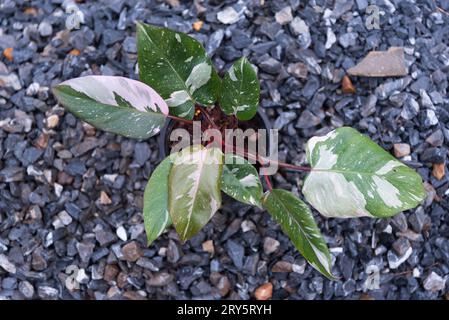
[[349, 175]]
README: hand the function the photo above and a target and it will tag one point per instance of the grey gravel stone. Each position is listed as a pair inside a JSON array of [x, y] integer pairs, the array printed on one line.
[[26, 289], [270, 65], [401, 246], [7, 265], [284, 119], [348, 39], [228, 15], [270, 245], [85, 250], [394, 261], [214, 41], [47, 293], [45, 29], [434, 282], [236, 253], [436, 139], [284, 16], [307, 120], [410, 109], [142, 153], [51, 177]]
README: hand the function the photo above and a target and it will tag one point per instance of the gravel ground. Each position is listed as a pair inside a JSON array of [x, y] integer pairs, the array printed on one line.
[[71, 197]]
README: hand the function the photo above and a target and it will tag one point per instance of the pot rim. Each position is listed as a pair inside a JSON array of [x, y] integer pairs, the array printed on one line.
[[162, 138]]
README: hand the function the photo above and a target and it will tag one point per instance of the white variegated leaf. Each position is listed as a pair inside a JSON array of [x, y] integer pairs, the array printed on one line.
[[297, 221], [352, 177], [194, 188], [241, 181], [240, 91], [116, 104]]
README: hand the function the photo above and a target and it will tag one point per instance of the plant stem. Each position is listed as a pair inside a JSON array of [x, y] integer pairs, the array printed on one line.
[[264, 161], [268, 182], [208, 118], [180, 119]]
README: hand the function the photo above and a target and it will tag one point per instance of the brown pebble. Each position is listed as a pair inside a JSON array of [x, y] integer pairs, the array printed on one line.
[[264, 292], [52, 121], [208, 246], [75, 52], [401, 150], [110, 272], [173, 3], [31, 11], [160, 279], [197, 25], [132, 251], [282, 266], [42, 141], [88, 129], [8, 53], [104, 198], [38, 262], [64, 178], [438, 170], [133, 295], [122, 280], [346, 85], [298, 70], [366, 296]]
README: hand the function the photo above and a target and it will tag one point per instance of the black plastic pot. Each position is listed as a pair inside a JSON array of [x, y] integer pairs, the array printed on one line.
[[163, 139]]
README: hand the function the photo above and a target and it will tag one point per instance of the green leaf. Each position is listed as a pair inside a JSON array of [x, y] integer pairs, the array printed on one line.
[[115, 104], [155, 201], [194, 188], [240, 91], [352, 177], [240, 180], [297, 222], [177, 67]]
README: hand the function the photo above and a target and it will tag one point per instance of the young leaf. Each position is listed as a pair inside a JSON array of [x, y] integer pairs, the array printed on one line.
[[177, 67], [240, 91], [194, 188], [116, 104], [155, 201], [297, 222], [240, 180], [352, 176]]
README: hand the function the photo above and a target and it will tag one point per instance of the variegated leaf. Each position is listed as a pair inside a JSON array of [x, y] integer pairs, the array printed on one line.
[[194, 188], [352, 177], [240, 91], [155, 201], [241, 181], [177, 67], [297, 222], [116, 104]]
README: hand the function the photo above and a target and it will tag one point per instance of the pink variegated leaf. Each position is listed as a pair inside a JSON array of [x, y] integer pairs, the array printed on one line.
[[116, 104]]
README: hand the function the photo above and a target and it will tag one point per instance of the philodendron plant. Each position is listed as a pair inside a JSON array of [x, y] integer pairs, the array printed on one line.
[[349, 175]]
